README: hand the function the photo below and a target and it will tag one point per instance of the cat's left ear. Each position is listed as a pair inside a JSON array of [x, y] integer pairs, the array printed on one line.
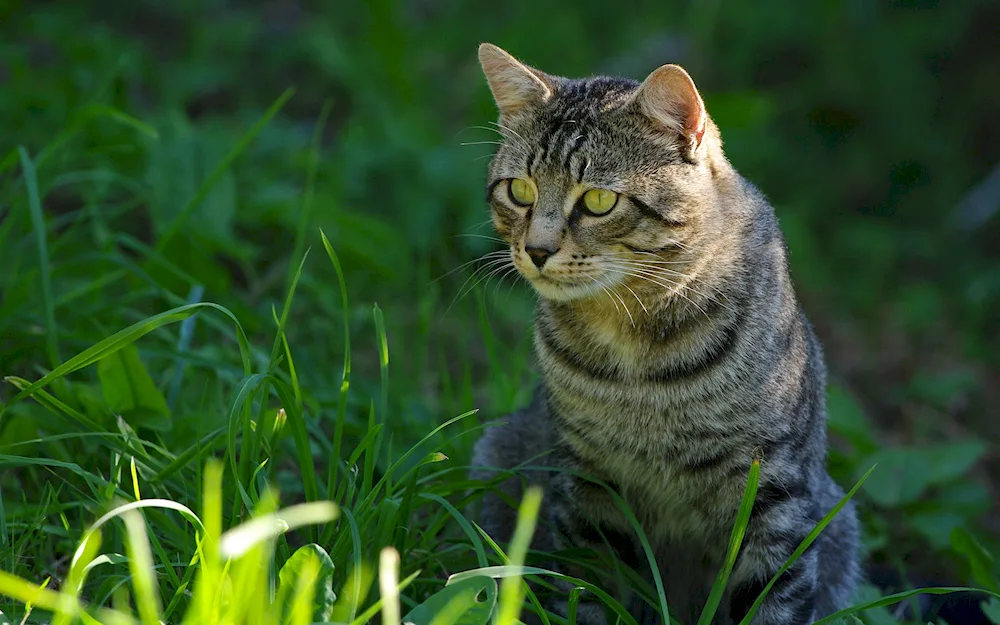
[[669, 98], [515, 86]]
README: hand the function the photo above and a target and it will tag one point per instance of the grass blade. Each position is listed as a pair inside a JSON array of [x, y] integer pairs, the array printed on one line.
[[38, 225], [310, 192], [221, 169], [241, 539], [735, 541], [129, 335], [388, 578], [338, 432], [896, 598], [147, 598], [511, 588], [805, 545]]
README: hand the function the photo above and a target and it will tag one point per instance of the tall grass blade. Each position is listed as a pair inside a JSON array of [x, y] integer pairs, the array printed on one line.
[[38, 225], [338, 432], [896, 598], [511, 588], [808, 540], [129, 335], [147, 597], [305, 212], [239, 540], [735, 541], [388, 578]]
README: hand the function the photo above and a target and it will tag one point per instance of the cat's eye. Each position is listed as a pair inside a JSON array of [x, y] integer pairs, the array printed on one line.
[[599, 201], [521, 192]]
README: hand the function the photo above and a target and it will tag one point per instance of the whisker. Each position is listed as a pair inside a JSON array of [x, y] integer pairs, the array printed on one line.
[[488, 255], [481, 236], [502, 130], [608, 293], [513, 283], [494, 267], [496, 289], [479, 128], [517, 140], [481, 143], [608, 289], [482, 223], [633, 263], [636, 298], [659, 260], [625, 306], [510, 130], [675, 287], [484, 267], [656, 273]]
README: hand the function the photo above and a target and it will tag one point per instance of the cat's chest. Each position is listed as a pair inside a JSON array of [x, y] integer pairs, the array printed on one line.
[[672, 504]]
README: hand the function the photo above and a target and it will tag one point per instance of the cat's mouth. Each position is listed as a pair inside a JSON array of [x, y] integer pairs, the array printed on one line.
[[557, 282], [562, 289]]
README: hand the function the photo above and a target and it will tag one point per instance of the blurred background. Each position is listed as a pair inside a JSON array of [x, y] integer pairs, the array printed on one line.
[[873, 128]]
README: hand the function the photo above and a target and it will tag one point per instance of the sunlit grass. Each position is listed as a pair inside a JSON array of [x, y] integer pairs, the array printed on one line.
[[247, 574]]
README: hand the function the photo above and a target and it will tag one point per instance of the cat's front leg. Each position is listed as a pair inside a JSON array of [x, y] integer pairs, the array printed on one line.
[[779, 523], [584, 515]]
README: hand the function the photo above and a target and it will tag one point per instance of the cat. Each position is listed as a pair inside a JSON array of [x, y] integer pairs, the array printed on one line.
[[671, 347]]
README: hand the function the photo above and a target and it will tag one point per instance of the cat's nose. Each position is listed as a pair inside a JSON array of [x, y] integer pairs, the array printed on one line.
[[539, 254]]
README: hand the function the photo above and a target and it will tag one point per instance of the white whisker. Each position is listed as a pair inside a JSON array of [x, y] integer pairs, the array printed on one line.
[[481, 236], [636, 298], [657, 273], [486, 256], [618, 295], [673, 287]]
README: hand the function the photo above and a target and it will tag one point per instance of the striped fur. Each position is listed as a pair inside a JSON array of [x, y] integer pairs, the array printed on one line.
[[671, 346]]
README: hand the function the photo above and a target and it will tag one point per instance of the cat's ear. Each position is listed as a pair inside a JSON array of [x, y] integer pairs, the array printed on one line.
[[669, 98], [514, 84]]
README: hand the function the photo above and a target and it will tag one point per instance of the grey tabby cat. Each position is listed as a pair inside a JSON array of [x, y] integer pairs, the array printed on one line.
[[671, 346]]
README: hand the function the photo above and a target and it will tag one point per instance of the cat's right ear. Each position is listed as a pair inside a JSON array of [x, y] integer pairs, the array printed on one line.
[[669, 98], [515, 86]]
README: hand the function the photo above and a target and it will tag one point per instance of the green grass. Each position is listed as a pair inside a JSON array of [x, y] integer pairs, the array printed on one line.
[[250, 573], [230, 257]]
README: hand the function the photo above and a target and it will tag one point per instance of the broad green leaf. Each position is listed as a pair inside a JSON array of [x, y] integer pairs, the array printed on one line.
[[935, 525], [847, 418], [467, 602], [324, 598], [980, 560], [505, 571], [874, 616], [16, 429], [131, 392], [906, 473]]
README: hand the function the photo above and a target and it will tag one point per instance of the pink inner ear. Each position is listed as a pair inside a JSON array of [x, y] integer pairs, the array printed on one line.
[[700, 132], [671, 98]]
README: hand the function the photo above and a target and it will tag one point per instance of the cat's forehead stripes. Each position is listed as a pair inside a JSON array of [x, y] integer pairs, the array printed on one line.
[[574, 117]]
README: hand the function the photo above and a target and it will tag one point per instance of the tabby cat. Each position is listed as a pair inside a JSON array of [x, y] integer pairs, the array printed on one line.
[[671, 346]]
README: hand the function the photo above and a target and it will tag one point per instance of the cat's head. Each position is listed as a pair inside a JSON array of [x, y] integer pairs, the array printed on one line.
[[600, 182]]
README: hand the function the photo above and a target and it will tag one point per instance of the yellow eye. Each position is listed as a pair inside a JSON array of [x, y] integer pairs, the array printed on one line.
[[599, 201], [521, 192]]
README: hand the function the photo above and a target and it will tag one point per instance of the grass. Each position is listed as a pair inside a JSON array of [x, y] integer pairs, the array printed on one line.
[[250, 573], [226, 282]]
